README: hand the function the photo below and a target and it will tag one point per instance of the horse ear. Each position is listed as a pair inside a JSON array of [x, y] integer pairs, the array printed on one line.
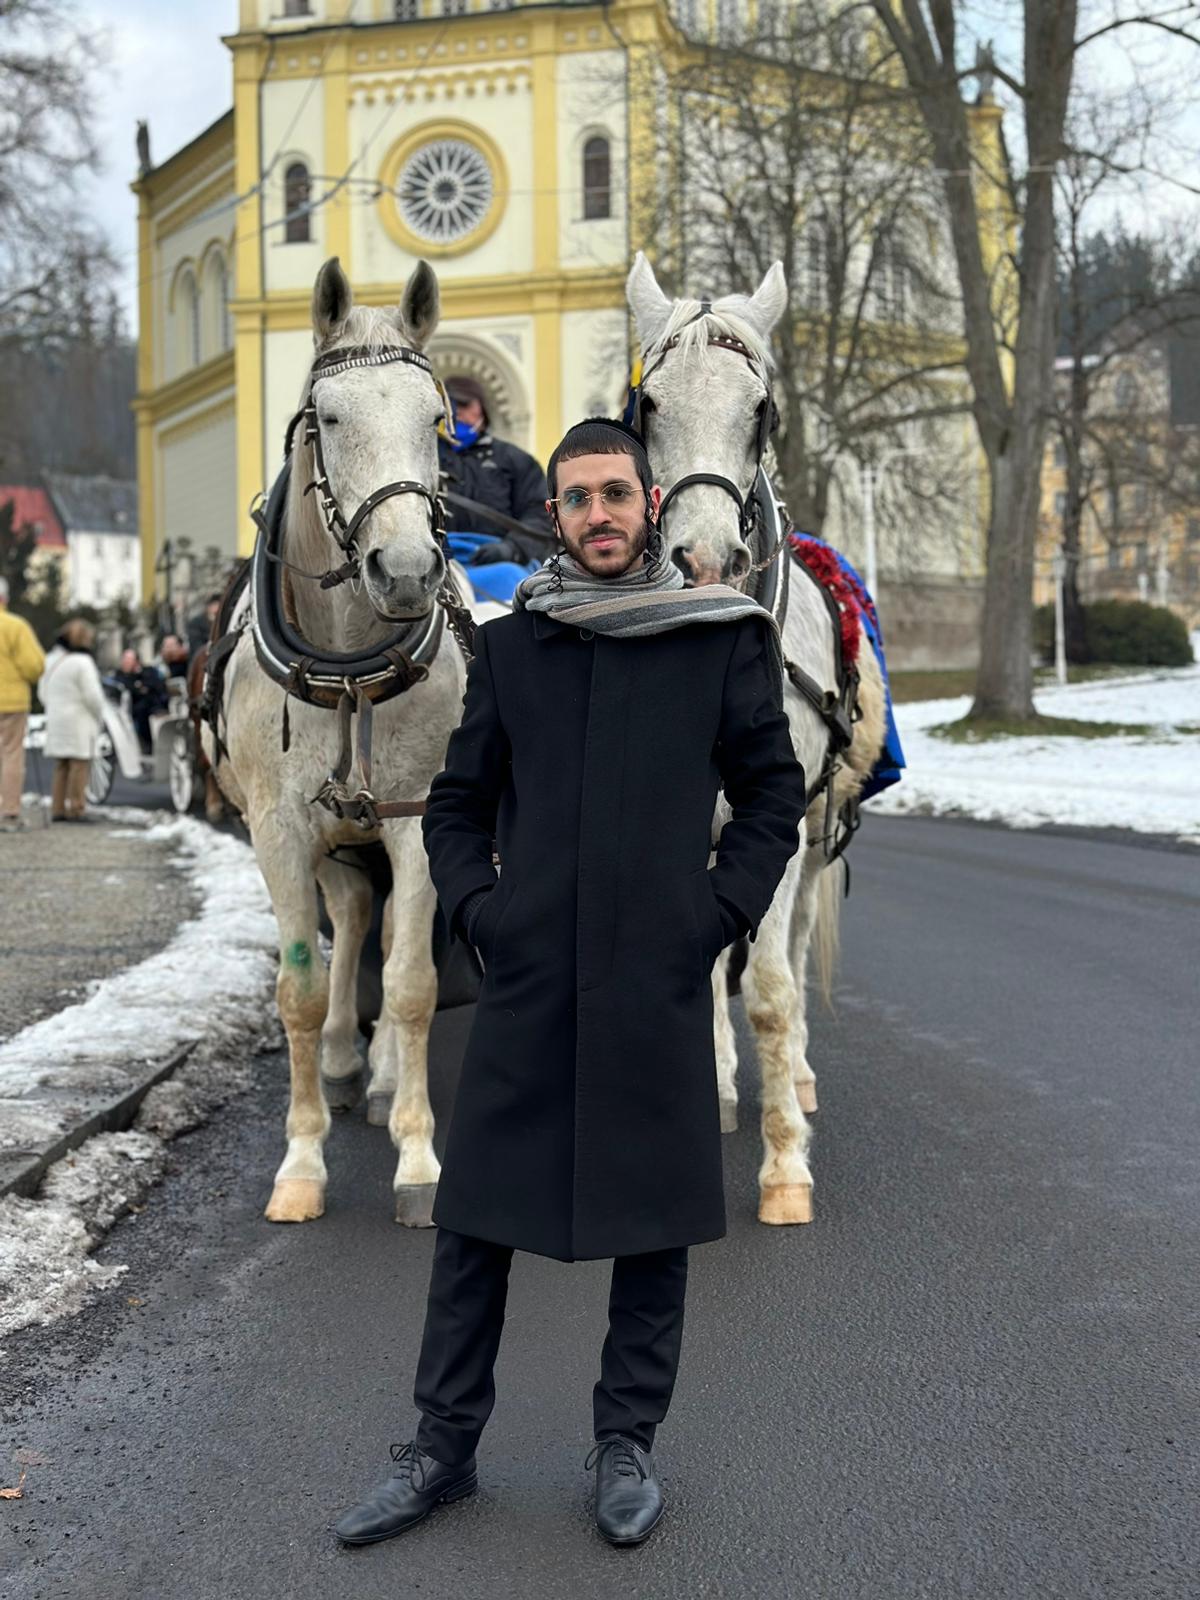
[[331, 301], [767, 304], [420, 306], [649, 304]]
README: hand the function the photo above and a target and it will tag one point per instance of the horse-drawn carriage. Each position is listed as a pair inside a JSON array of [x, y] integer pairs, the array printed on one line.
[[337, 678]]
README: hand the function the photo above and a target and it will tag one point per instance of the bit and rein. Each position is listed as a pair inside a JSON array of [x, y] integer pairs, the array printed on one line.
[[321, 680], [838, 709]]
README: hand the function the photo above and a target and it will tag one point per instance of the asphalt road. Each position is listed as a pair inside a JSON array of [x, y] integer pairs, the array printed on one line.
[[974, 1375]]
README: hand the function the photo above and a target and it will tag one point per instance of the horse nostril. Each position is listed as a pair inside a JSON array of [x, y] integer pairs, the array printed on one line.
[[377, 574], [739, 566]]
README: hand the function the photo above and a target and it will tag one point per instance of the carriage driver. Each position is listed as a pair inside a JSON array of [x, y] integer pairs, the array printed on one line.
[[498, 476], [599, 718]]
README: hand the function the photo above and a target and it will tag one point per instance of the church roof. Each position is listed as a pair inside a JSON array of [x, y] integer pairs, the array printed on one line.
[[94, 504]]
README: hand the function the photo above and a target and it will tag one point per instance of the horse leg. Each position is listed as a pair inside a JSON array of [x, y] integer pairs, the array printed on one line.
[[381, 1058], [409, 1003], [302, 992], [725, 1045], [347, 892], [803, 917], [769, 992]]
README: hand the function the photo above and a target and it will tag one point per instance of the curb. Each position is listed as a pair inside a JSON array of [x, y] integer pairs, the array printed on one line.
[[21, 1171]]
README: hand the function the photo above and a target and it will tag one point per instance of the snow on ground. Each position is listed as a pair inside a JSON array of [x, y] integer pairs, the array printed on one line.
[[1149, 783], [211, 987]]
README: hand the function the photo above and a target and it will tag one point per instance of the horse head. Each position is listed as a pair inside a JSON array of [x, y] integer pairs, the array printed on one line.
[[371, 408], [705, 410]]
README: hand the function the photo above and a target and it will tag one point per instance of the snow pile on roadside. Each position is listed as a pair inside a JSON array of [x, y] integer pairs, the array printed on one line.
[[212, 988], [1149, 783], [215, 976], [46, 1271]]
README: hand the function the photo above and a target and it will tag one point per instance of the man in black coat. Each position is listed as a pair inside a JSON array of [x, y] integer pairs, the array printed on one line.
[[497, 475], [600, 719]]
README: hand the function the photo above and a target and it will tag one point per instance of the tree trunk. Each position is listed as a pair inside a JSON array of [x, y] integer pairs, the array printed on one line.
[[1004, 685]]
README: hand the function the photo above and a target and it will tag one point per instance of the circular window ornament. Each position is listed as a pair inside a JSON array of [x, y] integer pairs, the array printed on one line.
[[442, 189], [445, 190]]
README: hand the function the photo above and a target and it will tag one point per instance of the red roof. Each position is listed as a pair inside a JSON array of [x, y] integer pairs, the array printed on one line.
[[33, 507]]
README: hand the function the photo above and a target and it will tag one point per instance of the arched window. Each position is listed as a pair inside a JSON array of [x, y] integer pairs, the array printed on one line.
[[216, 293], [297, 191], [820, 259], [190, 304], [224, 320], [597, 179], [889, 277]]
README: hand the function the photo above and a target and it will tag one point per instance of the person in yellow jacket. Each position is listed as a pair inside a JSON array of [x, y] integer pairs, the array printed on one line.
[[21, 663]]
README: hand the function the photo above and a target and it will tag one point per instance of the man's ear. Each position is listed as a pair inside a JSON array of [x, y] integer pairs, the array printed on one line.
[[655, 499]]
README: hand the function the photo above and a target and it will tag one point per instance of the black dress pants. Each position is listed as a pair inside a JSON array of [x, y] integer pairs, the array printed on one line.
[[468, 1288]]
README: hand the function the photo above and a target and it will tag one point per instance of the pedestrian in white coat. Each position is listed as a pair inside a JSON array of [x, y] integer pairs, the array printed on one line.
[[73, 699]]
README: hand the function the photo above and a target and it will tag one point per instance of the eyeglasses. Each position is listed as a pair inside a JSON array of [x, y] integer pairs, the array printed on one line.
[[574, 504]]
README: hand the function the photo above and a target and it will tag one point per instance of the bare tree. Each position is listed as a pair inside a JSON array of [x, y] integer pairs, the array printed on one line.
[[1011, 414], [784, 144], [56, 268]]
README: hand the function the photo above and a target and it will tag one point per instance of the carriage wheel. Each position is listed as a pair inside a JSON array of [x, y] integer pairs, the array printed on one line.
[[181, 770], [101, 771]]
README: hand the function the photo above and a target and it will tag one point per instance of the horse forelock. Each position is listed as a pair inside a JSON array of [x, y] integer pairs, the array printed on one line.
[[692, 333]]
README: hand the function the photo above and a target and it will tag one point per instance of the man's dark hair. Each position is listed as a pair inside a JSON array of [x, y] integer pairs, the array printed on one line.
[[601, 436]]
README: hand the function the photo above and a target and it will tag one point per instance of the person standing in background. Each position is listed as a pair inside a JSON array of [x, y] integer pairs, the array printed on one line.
[[21, 662], [73, 697]]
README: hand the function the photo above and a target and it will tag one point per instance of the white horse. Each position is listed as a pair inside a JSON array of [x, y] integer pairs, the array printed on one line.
[[706, 393], [375, 420]]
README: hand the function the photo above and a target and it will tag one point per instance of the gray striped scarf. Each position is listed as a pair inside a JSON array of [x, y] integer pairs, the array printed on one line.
[[647, 599]]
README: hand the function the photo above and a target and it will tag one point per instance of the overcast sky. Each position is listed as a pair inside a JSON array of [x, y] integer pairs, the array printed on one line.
[[166, 64]]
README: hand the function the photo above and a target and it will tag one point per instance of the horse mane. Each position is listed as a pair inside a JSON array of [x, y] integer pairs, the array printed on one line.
[[693, 332], [307, 538]]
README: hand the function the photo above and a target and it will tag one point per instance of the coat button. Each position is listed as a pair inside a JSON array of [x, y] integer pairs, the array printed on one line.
[[586, 633]]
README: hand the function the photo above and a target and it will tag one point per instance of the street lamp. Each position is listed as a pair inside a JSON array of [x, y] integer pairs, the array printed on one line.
[[1058, 567]]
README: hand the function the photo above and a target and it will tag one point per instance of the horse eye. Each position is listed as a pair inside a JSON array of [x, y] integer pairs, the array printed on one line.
[[647, 406], [329, 422]]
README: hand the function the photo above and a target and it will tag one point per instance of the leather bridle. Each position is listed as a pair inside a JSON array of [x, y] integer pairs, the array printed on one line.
[[343, 533], [767, 423]]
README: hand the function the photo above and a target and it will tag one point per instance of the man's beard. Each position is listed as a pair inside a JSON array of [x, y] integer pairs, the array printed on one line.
[[636, 543]]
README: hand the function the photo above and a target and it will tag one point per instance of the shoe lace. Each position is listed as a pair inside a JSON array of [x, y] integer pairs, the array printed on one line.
[[408, 1463], [624, 1458]]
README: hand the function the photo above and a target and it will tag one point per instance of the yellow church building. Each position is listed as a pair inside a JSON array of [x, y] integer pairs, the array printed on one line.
[[416, 128], [510, 145]]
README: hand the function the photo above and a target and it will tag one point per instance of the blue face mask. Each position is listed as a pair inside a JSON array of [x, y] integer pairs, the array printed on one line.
[[464, 435]]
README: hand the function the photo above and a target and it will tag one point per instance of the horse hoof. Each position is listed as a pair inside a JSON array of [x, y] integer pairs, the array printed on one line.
[[343, 1094], [786, 1203], [729, 1116], [379, 1109], [296, 1200], [806, 1094], [414, 1204]]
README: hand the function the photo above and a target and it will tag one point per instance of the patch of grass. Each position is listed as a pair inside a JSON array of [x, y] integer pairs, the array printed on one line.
[[978, 730], [907, 686]]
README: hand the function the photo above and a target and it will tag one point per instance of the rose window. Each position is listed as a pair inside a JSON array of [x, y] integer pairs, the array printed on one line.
[[445, 190]]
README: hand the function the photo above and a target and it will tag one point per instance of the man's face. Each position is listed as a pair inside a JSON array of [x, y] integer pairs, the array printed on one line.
[[607, 537], [129, 661], [470, 412]]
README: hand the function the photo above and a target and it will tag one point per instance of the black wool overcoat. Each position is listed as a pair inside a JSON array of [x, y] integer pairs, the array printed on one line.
[[586, 1123]]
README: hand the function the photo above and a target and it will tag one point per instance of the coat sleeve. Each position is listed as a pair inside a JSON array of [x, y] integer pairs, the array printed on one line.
[[460, 814], [91, 690], [30, 658], [762, 780]]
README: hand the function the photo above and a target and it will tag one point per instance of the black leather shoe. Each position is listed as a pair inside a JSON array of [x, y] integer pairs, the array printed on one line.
[[417, 1484], [629, 1498]]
